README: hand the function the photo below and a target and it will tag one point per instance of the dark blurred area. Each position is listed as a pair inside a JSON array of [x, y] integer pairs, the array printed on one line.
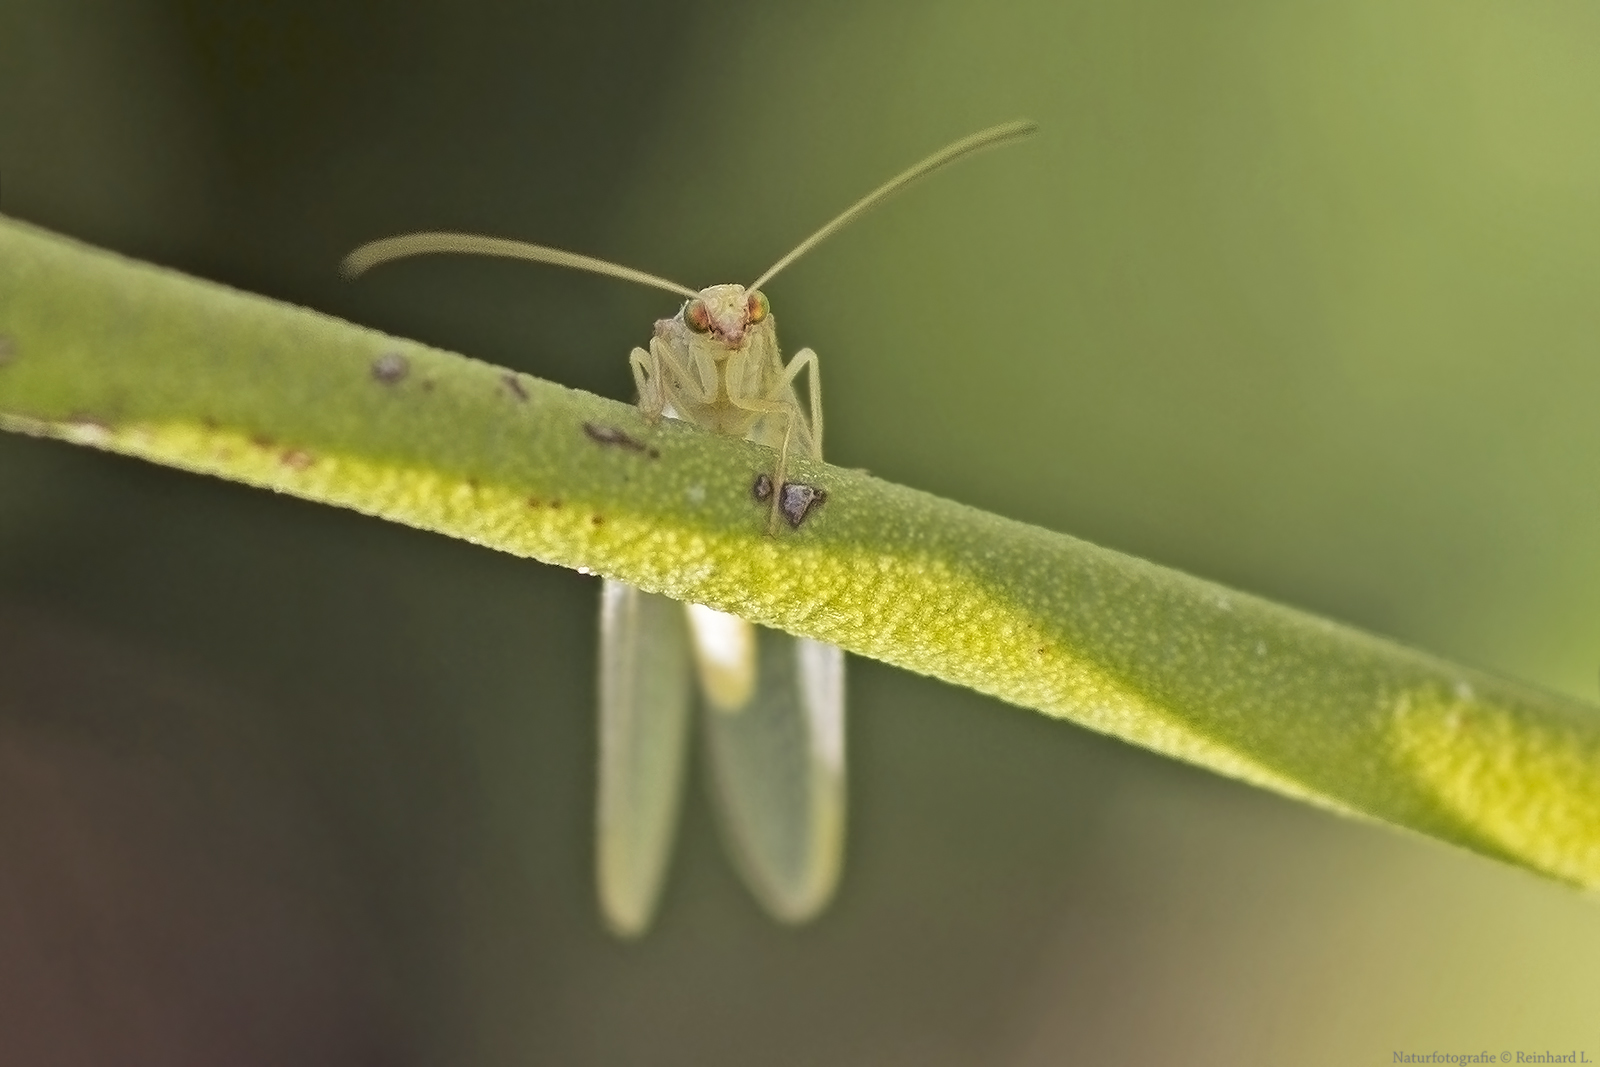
[[1300, 301]]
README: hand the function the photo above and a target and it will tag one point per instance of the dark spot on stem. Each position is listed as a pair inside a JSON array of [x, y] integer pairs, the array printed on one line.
[[8, 350], [515, 386], [261, 440], [597, 519], [427, 385], [533, 501], [296, 459], [611, 435], [797, 500], [555, 503], [390, 368]]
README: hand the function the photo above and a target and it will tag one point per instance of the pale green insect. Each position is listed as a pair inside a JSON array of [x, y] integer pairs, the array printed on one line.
[[774, 704]]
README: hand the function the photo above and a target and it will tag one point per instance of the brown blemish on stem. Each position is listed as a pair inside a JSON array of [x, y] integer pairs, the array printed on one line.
[[611, 435], [296, 459], [511, 383]]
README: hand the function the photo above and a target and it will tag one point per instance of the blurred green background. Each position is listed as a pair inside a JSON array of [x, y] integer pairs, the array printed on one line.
[[1298, 298]]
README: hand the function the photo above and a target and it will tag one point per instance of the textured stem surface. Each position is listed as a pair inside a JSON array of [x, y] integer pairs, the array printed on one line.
[[103, 351]]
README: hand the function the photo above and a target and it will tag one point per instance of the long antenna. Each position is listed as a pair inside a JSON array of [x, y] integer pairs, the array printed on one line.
[[370, 255], [994, 135]]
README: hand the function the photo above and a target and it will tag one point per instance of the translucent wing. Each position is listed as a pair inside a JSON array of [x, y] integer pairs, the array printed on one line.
[[777, 761], [644, 723]]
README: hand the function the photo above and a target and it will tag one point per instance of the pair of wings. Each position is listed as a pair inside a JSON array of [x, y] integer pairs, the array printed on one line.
[[773, 728]]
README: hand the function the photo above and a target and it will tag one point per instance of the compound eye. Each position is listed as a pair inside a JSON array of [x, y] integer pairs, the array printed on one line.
[[695, 314], [757, 308]]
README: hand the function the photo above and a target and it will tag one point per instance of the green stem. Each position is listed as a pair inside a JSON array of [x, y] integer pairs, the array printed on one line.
[[123, 356]]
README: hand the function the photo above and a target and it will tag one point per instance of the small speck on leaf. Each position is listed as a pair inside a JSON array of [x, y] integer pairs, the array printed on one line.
[[390, 368], [762, 490], [596, 520], [510, 381], [296, 459]]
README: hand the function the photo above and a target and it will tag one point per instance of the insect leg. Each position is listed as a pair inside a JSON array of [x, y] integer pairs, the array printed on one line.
[[789, 412], [788, 407], [803, 359], [647, 380], [669, 379]]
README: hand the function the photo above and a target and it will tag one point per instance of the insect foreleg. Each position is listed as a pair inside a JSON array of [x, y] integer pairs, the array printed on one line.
[[647, 380], [662, 378]]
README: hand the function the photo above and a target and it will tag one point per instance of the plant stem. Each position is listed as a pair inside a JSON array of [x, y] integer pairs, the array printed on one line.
[[103, 351]]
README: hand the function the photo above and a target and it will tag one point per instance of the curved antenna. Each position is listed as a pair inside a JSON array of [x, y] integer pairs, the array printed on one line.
[[373, 253], [994, 135]]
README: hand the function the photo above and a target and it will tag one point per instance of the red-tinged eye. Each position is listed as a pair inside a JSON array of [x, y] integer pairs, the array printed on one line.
[[757, 308], [695, 314]]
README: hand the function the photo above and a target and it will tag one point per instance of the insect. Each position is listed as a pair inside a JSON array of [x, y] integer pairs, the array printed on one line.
[[774, 704]]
